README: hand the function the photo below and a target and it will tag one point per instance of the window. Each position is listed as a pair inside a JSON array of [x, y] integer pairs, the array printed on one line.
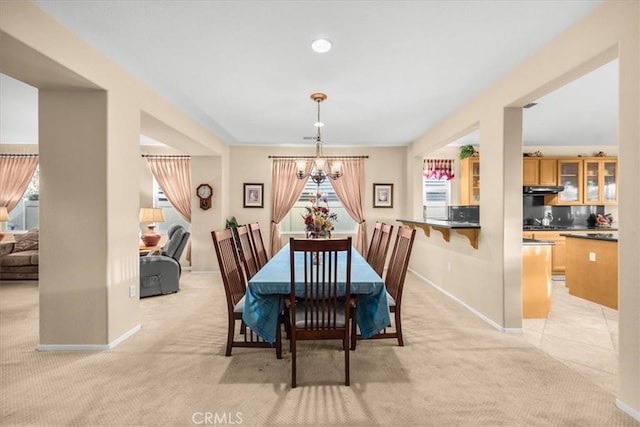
[[171, 216], [293, 222], [436, 197], [25, 215]]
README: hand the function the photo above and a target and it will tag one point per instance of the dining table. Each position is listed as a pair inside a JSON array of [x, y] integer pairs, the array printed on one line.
[[264, 298]]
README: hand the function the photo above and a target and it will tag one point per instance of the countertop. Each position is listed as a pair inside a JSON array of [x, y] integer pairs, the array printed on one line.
[[536, 242], [566, 228], [606, 237], [442, 223]]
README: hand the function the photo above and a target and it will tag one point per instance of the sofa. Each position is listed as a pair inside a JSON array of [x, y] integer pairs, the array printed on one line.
[[19, 258]]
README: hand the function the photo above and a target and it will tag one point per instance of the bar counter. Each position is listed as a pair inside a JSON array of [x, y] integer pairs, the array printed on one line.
[[467, 229]]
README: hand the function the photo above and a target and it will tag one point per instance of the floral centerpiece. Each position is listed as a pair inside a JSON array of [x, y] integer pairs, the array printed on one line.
[[318, 220]]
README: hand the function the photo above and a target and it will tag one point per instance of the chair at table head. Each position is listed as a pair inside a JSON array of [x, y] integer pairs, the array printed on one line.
[[320, 307], [160, 274], [235, 287]]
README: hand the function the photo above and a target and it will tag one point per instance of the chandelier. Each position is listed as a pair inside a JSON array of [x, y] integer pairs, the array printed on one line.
[[319, 172]]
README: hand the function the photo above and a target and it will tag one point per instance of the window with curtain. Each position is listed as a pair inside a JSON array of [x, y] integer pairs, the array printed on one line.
[[25, 215], [294, 222], [436, 188], [171, 215]]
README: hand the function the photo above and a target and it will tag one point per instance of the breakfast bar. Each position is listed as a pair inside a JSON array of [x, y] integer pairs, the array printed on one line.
[[468, 229]]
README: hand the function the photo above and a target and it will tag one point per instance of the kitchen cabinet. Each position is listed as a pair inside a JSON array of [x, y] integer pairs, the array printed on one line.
[[559, 249], [592, 269], [558, 252], [470, 181], [548, 171], [530, 171], [536, 280], [600, 180], [539, 171], [570, 176]]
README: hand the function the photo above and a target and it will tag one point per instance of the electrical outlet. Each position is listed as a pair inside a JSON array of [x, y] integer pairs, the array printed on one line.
[[449, 265], [592, 256], [132, 291]]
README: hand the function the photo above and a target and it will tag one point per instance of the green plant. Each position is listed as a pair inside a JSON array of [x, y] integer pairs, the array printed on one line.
[[231, 222], [467, 151]]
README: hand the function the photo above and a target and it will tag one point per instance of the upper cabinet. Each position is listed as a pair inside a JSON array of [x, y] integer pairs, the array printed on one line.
[[600, 180], [470, 181], [587, 180], [570, 176], [539, 171]]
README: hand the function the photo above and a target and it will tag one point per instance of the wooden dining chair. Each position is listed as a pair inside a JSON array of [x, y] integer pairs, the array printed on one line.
[[245, 247], [373, 245], [258, 244], [380, 256], [394, 280], [235, 286], [320, 308]]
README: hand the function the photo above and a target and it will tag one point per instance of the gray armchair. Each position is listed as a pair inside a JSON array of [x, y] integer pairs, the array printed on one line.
[[160, 274]]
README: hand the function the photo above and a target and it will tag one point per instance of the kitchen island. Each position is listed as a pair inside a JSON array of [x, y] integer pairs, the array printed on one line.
[[592, 267]]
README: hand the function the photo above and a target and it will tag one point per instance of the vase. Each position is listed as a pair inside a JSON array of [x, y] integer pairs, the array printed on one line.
[[151, 237]]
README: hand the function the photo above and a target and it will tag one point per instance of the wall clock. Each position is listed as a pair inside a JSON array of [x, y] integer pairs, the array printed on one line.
[[204, 194]]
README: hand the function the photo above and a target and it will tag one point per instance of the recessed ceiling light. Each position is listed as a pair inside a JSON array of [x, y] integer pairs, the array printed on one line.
[[321, 45]]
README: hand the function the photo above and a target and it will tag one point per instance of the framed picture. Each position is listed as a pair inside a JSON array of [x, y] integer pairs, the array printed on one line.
[[253, 195], [382, 195]]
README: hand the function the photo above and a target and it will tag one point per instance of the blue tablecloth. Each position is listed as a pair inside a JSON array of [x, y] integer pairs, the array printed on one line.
[[264, 297]]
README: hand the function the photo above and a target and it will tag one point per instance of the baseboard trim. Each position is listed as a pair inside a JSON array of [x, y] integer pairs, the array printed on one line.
[[89, 347], [205, 272], [627, 409], [468, 307]]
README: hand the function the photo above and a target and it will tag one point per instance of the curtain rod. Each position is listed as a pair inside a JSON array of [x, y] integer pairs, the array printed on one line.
[[18, 155], [324, 157], [168, 156]]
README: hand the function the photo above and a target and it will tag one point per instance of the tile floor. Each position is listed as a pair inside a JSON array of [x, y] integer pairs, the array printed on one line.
[[581, 334]]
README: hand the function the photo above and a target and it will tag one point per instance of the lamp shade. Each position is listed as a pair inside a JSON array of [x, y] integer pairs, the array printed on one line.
[[4, 215], [151, 215]]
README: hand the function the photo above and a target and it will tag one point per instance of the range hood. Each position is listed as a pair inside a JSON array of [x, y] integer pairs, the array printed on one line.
[[536, 190]]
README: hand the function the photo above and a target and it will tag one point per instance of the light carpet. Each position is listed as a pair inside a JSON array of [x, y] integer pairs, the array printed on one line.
[[454, 370]]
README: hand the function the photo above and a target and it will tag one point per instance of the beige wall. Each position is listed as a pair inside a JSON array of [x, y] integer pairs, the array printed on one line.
[[252, 165], [36, 49], [484, 279]]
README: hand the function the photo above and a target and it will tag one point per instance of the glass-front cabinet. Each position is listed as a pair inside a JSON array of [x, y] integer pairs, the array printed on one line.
[[470, 181], [570, 176], [601, 180]]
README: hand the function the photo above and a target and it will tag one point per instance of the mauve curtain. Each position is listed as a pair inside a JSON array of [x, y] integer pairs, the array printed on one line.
[[16, 171], [285, 191], [350, 190], [174, 177]]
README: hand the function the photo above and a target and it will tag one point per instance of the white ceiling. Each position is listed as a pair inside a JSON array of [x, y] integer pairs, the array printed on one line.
[[245, 70]]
